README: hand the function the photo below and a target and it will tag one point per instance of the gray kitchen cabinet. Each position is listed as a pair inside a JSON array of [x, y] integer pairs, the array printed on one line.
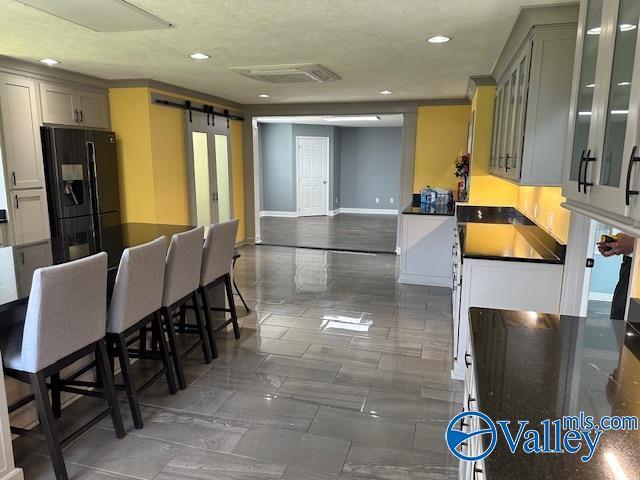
[[602, 171], [533, 99], [67, 106], [22, 149]]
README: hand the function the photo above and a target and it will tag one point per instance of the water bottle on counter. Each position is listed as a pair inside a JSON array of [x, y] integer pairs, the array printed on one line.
[[427, 197]]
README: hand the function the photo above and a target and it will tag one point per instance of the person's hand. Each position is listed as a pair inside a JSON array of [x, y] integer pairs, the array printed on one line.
[[623, 246]]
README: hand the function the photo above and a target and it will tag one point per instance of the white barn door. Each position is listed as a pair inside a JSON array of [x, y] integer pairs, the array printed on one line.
[[313, 175]]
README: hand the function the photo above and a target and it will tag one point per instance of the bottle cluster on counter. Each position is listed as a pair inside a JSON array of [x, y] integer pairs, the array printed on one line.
[[435, 197]]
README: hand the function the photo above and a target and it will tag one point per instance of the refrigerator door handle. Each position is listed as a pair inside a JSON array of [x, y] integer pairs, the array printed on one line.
[[93, 188]]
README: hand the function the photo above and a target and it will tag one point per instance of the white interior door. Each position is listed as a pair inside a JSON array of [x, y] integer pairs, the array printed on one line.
[[313, 175]]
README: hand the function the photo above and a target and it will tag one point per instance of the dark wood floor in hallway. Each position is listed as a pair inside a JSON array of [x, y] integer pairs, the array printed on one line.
[[346, 231], [340, 373]]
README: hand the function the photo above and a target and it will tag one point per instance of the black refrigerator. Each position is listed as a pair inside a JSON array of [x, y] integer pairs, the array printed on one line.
[[81, 172]]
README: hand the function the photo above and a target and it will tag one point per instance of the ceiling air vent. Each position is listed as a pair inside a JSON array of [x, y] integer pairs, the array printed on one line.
[[298, 73]]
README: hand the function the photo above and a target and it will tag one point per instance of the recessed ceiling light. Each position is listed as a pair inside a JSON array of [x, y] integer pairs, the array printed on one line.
[[263, 95], [49, 61], [624, 84], [594, 31], [438, 39], [626, 27], [385, 92], [590, 85], [199, 56]]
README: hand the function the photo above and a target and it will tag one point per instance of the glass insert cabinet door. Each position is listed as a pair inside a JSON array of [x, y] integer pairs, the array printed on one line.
[[582, 104], [613, 151], [208, 169]]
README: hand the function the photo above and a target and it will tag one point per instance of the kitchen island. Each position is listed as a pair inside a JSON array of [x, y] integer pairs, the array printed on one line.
[[533, 366]]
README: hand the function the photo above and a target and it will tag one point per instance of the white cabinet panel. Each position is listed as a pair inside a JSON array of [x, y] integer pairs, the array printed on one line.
[[68, 106], [58, 105], [94, 110], [27, 259], [30, 216], [21, 132]]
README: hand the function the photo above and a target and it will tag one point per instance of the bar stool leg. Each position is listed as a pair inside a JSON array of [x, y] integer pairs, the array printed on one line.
[[56, 404], [235, 285], [232, 306], [39, 387], [102, 361], [201, 328], [173, 344], [129, 383], [208, 321], [164, 354]]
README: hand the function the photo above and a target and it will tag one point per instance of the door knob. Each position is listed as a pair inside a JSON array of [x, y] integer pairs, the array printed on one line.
[[325, 182]]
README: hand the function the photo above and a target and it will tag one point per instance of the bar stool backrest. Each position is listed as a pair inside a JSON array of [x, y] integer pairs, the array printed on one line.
[[138, 289], [182, 272], [218, 251], [67, 311]]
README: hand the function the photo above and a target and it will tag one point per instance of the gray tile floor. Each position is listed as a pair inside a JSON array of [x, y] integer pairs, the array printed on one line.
[[340, 373], [346, 231]]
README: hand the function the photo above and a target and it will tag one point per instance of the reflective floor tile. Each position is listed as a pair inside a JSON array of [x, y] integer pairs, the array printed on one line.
[[295, 322], [356, 358], [274, 412], [255, 383], [358, 427], [274, 346], [400, 347], [320, 338], [409, 407], [323, 393], [415, 366], [299, 368], [304, 450], [196, 399]]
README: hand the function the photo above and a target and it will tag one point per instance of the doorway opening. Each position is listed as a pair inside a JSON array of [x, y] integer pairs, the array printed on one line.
[[329, 182], [209, 171]]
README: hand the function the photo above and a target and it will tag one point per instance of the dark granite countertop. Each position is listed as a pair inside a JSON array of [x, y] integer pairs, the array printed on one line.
[[503, 233], [441, 210], [16, 272], [3, 216], [531, 366]]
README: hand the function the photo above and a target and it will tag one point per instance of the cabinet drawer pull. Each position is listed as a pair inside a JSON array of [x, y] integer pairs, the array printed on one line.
[[587, 159], [506, 163], [22, 257], [469, 400], [17, 202], [582, 155], [628, 191], [81, 116], [466, 362], [476, 470], [13, 178], [75, 115]]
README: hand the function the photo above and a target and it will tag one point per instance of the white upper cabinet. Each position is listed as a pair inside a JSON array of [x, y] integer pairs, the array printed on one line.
[[532, 106], [22, 150], [602, 171], [67, 106]]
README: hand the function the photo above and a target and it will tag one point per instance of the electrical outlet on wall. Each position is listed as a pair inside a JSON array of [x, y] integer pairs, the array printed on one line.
[[377, 199], [550, 221], [526, 206], [391, 200], [535, 210]]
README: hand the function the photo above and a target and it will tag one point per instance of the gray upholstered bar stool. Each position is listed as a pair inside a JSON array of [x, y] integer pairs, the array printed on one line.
[[66, 321], [135, 304], [217, 258], [181, 281]]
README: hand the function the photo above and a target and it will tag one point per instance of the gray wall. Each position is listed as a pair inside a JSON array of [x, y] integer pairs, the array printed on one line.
[[370, 167], [278, 185], [364, 163]]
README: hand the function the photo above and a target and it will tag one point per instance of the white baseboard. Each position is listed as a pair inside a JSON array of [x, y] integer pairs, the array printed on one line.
[[274, 213], [601, 297], [333, 213], [398, 250], [431, 280], [370, 211]]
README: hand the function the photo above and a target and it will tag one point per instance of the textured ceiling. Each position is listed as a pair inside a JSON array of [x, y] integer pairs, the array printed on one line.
[[372, 44]]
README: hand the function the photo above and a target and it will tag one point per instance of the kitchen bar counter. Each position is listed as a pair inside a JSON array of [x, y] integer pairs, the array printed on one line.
[[503, 233], [17, 263], [531, 366], [448, 210]]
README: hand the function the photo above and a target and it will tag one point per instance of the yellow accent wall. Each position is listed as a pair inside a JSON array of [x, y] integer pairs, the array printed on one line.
[[441, 136], [487, 189], [152, 158]]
